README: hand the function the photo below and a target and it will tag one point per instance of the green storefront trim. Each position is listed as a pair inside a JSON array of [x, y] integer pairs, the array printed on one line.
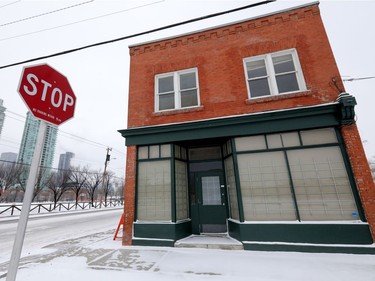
[[160, 234], [327, 115], [331, 114], [302, 236], [333, 249], [314, 233]]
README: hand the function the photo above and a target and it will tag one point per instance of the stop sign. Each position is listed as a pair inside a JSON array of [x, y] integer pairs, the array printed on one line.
[[47, 93]]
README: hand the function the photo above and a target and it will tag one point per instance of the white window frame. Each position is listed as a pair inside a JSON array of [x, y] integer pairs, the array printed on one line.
[[271, 76], [177, 89]]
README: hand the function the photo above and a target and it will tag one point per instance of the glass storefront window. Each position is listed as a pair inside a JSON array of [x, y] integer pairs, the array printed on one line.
[[250, 143], [182, 199], [231, 186], [265, 187], [154, 191], [321, 184], [292, 182]]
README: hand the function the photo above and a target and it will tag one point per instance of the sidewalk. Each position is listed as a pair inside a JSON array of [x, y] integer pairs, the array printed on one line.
[[99, 257]]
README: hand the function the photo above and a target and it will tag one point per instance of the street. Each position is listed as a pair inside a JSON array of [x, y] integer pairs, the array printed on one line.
[[43, 230], [80, 246]]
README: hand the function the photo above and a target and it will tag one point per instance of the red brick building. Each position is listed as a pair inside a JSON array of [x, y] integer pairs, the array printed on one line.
[[245, 129]]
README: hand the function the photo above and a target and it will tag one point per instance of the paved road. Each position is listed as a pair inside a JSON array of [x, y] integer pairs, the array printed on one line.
[[46, 229]]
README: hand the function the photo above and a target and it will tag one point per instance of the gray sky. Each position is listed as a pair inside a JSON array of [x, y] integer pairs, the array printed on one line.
[[99, 76]]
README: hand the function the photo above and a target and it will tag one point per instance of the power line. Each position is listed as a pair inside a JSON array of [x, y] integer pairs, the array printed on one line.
[[14, 118], [73, 169], [46, 13], [82, 139], [72, 136], [139, 34], [356, 79], [19, 115], [72, 23], [14, 2]]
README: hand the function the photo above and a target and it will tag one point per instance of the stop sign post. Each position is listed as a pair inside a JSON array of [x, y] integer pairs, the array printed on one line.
[[49, 97]]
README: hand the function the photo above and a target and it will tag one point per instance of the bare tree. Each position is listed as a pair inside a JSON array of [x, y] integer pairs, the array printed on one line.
[[77, 180], [7, 177], [94, 179], [20, 177], [107, 185], [42, 179], [119, 187], [58, 184]]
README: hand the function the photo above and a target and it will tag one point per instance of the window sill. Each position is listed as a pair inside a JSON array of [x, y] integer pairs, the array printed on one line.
[[278, 97], [178, 111]]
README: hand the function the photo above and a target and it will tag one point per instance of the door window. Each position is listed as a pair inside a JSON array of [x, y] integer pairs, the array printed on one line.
[[211, 194]]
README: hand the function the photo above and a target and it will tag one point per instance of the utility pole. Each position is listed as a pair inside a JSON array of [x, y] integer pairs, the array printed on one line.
[[104, 179]]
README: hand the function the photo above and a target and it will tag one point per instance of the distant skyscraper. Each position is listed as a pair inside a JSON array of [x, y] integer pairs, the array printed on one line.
[[2, 115], [64, 160], [8, 157], [29, 138]]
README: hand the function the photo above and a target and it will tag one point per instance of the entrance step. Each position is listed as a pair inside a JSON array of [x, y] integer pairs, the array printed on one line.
[[210, 241]]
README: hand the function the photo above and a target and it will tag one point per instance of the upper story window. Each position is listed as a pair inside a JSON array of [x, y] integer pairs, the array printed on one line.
[[274, 73], [176, 90]]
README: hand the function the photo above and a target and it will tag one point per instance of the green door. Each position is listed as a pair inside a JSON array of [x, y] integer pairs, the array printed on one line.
[[211, 201]]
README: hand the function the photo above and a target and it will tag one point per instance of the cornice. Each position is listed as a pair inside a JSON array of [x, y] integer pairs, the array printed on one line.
[[231, 29]]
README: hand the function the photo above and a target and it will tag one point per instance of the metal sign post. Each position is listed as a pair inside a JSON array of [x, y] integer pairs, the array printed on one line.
[[28, 197], [50, 98]]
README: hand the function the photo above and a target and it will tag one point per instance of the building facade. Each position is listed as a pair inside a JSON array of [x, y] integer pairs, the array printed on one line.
[[64, 160], [29, 138], [245, 129], [2, 115], [8, 157]]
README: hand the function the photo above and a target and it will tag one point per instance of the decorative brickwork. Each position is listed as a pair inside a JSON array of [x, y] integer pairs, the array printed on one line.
[[218, 55]]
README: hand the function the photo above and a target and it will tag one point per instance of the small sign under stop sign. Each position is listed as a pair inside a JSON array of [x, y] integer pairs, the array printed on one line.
[[47, 94]]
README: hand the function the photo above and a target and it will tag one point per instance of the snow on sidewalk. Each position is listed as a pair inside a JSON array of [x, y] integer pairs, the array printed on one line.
[[97, 257]]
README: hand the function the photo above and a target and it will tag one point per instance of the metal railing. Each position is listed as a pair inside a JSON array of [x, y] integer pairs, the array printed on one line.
[[38, 208]]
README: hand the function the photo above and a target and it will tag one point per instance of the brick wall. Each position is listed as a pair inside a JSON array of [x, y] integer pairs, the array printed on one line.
[[218, 55], [361, 170], [129, 196]]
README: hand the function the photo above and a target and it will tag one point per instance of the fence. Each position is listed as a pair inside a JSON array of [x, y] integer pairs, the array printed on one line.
[[38, 208]]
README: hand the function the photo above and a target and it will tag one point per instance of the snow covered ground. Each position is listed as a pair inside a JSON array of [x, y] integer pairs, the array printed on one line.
[[81, 247]]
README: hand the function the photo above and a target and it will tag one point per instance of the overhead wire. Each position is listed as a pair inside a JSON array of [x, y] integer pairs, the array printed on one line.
[[14, 2], [139, 34], [52, 168], [136, 35], [73, 136], [76, 22], [359, 78], [46, 13]]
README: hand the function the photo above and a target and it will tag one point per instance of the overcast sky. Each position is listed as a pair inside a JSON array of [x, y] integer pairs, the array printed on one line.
[[99, 76]]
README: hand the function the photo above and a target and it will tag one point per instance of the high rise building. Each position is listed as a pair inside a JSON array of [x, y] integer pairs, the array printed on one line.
[[2, 115], [29, 138], [64, 160], [8, 156]]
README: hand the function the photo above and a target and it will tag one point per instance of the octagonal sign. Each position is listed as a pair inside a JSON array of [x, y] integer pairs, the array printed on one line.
[[47, 94]]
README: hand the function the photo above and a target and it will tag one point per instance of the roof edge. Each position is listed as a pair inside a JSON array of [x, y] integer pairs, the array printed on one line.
[[230, 23]]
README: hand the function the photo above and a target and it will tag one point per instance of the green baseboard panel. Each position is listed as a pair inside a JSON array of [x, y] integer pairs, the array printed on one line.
[[153, 242], [314, 233], [337, 249], [149, 233]]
